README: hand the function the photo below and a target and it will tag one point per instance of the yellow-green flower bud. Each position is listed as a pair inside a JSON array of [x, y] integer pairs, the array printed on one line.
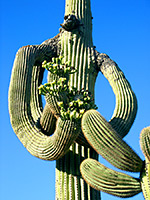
[[60, 103], [82, 111]]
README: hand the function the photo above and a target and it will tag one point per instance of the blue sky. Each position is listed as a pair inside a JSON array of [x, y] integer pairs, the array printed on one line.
[[121, 29]]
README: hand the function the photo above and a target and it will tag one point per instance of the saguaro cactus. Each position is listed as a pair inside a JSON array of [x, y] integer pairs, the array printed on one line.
[[54, 132]]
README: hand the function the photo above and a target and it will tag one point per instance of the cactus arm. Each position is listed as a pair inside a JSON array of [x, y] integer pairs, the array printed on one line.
[[44, 117], [107, 142], [126, 102], [23, 111], [107, 180]]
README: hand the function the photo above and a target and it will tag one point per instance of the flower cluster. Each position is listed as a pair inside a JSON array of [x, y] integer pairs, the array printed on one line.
[[58, 67], [54, 87], [76, 102]]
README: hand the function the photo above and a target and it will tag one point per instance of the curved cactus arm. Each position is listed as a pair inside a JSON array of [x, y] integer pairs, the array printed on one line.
[[126, 102], [46, 120], [107, 180], [25, 105], [108, 143]]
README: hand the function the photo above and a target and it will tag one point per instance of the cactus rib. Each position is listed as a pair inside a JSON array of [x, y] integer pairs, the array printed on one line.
[[20, 99], [107, 180], [107, 142], [126, 102]]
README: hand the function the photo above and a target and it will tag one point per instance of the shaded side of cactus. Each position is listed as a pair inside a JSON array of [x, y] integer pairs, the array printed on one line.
[[107, 180], [108, 143]]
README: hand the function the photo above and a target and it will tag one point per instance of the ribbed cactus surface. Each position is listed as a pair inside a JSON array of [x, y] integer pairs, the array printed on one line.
[[145, 173], [69, 182], [145, 142], [108, 143], [126, 102], [108, 180], [55, 131]]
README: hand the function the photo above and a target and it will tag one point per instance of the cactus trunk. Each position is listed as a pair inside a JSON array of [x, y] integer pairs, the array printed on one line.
[[77, 47], [69, 183]]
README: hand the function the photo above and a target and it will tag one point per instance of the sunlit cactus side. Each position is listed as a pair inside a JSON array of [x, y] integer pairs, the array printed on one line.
[[145, 174]]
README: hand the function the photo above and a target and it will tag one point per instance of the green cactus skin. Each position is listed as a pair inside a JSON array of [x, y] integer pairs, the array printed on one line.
[[126, 102], [76, 46], [107, 142], [107, 180], [20, 95], [69, 182], [47, 122], [145, 180], [145, 174], [145, 142], [33, 124], [52, 102]]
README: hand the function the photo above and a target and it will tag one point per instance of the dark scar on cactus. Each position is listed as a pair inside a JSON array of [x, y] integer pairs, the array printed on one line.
[[71, 22]]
